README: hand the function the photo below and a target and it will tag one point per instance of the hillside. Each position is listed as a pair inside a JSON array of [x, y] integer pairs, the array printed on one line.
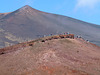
[[28, 23], [51, 56]]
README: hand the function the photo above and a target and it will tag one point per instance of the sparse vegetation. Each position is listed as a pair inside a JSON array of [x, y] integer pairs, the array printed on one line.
[[52, 57]]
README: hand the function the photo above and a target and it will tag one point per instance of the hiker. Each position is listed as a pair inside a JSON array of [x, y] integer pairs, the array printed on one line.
[[87, 40], [67, 32], [44, 36], [64, 33], [51, 34]]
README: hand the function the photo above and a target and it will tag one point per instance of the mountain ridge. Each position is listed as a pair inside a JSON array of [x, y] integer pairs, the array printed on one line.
[[28, 23], [56, 56]]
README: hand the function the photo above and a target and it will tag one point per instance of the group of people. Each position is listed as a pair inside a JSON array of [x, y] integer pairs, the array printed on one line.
[[57, 34], [82, 38], [65, 33]]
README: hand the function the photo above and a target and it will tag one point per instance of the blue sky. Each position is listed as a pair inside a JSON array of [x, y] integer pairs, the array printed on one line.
[[86, 10]]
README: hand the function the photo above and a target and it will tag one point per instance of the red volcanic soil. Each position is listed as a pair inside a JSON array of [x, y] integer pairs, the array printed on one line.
[[60, 56], [28, 23]]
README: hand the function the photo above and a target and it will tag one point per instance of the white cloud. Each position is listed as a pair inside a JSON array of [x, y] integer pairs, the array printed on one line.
[[86, 3], [29, 2]]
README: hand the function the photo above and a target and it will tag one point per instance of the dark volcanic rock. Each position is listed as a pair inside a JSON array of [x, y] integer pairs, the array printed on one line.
[[27, 23]]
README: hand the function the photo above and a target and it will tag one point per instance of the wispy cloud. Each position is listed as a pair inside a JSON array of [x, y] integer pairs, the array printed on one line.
[[86, 3], [29, 2]]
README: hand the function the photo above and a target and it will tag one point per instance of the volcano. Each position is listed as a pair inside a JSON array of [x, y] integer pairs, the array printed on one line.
[[28, 23]]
